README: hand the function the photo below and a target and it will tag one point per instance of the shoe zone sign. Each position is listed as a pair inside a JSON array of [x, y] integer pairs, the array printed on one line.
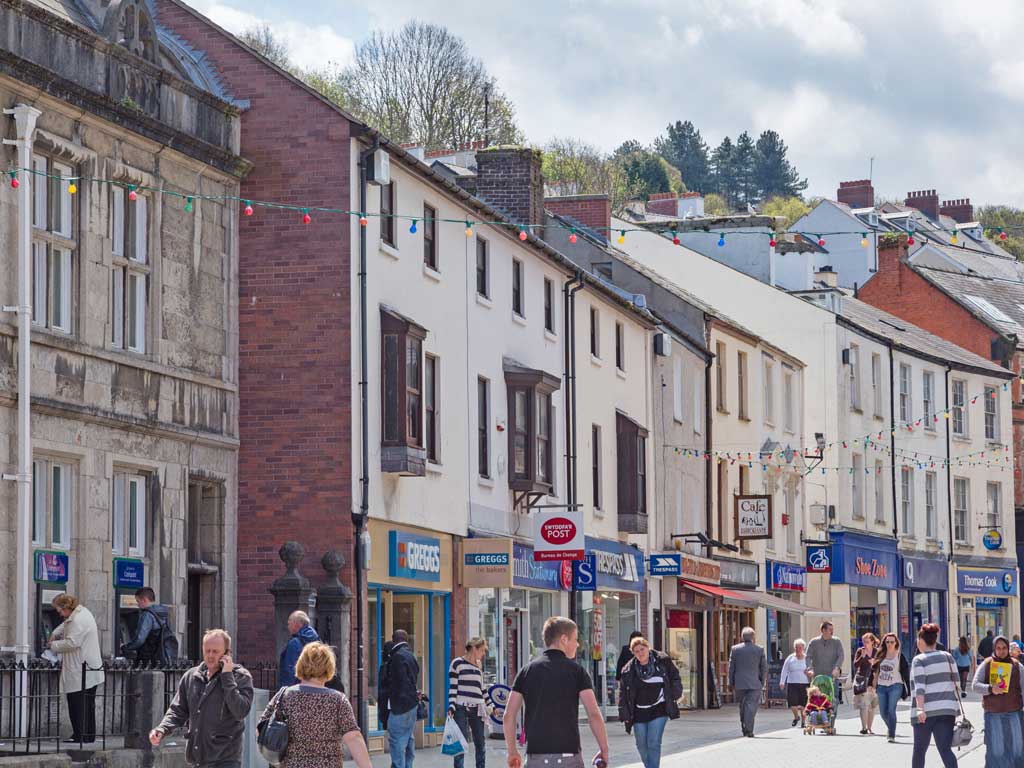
[[411, 556]]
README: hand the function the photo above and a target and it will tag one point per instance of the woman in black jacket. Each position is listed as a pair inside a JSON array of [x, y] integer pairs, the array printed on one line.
[[649, 688]]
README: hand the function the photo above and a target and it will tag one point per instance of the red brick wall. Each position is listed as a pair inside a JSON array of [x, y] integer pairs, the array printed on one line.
[[594, 211], [294, 334]]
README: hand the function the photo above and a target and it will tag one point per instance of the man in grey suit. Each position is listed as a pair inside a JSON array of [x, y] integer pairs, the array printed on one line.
[[748, 672]]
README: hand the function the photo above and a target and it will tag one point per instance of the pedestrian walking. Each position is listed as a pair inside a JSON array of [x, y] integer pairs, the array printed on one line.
[[1003, 703], [77, 641], [985, 646], [891, 676], [865, 698], [935, 698], [383, 674], [212, 701], [147, 642], [793, 680], [1016, 649], [403, 698], [748, 671], [825, 653], [552, 686], [466, 698], [319, 718], [626, 655], [649, 688], [963, 657], [301, 634]]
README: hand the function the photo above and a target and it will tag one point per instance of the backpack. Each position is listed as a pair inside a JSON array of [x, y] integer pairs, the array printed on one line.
[[166, 651]]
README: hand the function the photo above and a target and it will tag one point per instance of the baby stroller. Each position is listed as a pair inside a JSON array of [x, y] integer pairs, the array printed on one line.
[[826, 721]]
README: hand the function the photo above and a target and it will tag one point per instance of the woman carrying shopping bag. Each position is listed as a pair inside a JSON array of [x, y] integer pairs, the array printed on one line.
[[466, 701]]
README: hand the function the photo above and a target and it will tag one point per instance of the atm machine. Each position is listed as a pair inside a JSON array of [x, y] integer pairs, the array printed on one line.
[[129, 575], [50, 574]]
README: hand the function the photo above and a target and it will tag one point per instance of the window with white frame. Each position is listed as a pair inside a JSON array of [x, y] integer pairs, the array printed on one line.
[[993, 505], [928, 400], [906, 409], [876, 383], [54, 244], [129, 284], [677, 389], [769, 389], [879, 493], [788, 396], [130, 519], [907, 500], [931, 515], [991, 414], [854, 381], [958, 413], [961, 510], [52, 499], [858, 486]]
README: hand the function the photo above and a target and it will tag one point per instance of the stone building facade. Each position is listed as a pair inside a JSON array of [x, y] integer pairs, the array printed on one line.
[[134, 341]]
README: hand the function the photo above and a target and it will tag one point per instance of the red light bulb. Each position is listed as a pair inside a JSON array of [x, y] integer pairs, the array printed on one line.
[[362, 221], [15, 183], [675, 241], [572, 238], [132, 196], [522, 234], [821, 241], [910, 241], [772, 243], [1002, 235], [306, 218], [248, 210]]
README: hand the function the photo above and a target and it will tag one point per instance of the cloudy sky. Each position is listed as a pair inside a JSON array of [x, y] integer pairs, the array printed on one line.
[[934, 92]]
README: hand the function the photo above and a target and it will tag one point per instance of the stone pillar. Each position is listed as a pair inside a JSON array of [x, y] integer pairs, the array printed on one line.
[[292, 592], [334, 614]]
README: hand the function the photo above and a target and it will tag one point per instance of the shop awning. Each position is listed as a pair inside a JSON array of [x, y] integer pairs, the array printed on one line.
[[745, 598], [768, 600]]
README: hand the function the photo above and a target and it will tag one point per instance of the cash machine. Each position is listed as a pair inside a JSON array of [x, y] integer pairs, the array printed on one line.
[[129, 575], [50, 574]]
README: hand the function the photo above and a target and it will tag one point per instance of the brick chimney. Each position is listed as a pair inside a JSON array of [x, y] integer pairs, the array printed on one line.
[[509, 179], [961, 211], [664, 203], [892, 247], [594, 211], [926, 201], [856, 194]]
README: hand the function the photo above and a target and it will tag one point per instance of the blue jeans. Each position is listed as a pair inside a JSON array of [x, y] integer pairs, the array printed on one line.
[[469, 722], [888, 698], [648, 740], [401, 742], [941, 728]]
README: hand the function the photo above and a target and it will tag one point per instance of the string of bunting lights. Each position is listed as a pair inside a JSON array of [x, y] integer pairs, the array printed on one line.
[[249, 207]]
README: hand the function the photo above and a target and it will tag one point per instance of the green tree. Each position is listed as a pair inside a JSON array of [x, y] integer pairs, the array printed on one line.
[[644, 171], [1010, 220], [684, 148], [261, 38], [723, 173], [573, 167], [715, 205], [790, 208], [773, 174], [743, 169]]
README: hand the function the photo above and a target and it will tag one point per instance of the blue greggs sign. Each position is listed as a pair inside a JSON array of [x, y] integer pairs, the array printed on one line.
[[998, 582], [411, 556]]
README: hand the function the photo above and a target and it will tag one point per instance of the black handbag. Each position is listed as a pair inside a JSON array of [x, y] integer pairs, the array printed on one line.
[[423, 708], [272, 738]]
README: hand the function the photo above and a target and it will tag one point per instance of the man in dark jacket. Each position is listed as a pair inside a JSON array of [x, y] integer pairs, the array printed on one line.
[[649, 689], [985, 646], [383, 685], [301, 634], [153, 617], [213, 700], [403, 696]]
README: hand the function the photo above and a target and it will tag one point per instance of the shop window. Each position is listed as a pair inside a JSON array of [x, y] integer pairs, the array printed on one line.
[[52, 493], [131, 517], [530, 434], [54, 244], [402, 444], [961, 510], [632, 475]]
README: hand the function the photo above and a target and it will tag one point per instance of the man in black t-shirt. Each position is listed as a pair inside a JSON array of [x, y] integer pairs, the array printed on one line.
[[552, 687]]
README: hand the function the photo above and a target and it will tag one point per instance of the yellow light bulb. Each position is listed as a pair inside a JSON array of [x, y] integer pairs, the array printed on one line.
[[72, 188], [863, 242], [469, 231], [953, 239]]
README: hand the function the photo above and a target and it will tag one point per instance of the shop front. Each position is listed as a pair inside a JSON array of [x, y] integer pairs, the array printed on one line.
[[607, 615], [689, 613], [924, 586], [409, 587], [864, 577], [787, 582], [986, 597]]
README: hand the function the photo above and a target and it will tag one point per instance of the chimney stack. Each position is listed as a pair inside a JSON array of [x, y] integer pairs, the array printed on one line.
[[926, 201], [961, 211], [593, 211], [856, 194], [509, 179], [828, 276], [688, 204]]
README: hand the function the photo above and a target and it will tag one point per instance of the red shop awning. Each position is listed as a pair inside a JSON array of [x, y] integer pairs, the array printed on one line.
[[744, 598]]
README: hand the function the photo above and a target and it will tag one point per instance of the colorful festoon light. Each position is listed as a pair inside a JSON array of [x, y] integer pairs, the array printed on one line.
[[522, 235], [572, 236], [469, 229], [306, 218], [131, 193], [910, 237], [863, 239], [412, 227], [953, 239], [821, 241], [622, 236], [362, 220], [72, 188], [248, 208], [14, 180], [1002, 235], [773, 242], [188, 205], [721, 240]]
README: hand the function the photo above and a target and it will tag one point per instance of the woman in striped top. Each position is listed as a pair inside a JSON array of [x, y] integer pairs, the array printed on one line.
[[935, 698], [466, 697]]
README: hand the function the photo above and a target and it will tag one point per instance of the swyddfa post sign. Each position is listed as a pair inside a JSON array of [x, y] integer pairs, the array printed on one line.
[[753, 517]]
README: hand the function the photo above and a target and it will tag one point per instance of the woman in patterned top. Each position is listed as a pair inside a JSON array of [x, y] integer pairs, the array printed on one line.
[[319, 719]]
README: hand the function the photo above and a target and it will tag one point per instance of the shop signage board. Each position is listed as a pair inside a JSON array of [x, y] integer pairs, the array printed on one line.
[[558, 535], [740, 573], [701, 569], [997, 582], [129, 574], [667, 564], [785, 577], [991, 602], [527, 572], [584, 574], [819, 558], [486, 562], [865, 561], [753, 516], [51, 567], [992, 540], [413, 556], [619, 566], [922, 573]]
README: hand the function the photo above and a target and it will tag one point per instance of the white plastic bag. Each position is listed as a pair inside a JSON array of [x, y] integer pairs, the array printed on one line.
[[453, 743]]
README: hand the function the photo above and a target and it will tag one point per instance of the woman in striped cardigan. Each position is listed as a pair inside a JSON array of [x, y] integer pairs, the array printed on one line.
[[466, 697]]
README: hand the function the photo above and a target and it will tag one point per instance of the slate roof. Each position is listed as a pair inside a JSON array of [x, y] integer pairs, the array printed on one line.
[[1007, 296], [983, 264]]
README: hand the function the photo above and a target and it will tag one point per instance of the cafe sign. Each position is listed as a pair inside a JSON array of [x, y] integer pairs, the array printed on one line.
[[753, 517]]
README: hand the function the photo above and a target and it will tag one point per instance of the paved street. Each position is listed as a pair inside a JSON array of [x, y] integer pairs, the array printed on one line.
[[710, 739]]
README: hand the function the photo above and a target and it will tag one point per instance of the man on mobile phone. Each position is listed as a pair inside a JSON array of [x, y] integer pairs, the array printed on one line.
[[552, 687], [213, 700]]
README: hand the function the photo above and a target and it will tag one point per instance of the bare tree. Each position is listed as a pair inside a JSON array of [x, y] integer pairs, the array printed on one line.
[[420, 84], [262, 39]]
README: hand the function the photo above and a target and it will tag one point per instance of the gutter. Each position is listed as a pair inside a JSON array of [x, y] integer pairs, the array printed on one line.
[[708, 475]]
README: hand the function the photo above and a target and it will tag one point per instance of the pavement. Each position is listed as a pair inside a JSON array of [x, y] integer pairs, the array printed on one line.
[[711, 739]]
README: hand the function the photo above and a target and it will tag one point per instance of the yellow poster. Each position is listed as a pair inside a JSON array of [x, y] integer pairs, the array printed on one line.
[[999, 676]]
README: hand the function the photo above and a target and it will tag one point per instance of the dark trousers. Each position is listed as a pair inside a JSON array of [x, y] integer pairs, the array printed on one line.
[[942, 729], [469, 720], [749, 700], [82, 712]]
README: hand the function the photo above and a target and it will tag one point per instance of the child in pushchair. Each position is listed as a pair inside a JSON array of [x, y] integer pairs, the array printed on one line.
[[820, 710]]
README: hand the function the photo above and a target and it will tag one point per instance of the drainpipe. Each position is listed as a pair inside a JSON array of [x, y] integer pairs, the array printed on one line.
[[359, 518], [572, 286], [708, 474], [25, 120], [949, 471], [892, 441]]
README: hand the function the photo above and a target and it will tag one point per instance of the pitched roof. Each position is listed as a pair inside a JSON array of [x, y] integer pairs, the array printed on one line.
[[996, 302]]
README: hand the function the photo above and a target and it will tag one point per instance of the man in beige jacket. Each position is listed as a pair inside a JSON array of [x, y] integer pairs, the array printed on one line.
[[77, 641]]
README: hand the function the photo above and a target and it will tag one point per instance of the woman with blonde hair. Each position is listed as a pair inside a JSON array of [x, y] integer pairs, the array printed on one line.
[[466, 698], [319, 719], [77, 640]]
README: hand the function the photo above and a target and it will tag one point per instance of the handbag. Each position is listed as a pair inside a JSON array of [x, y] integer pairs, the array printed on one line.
[[963, 731], [422, 708], [272, 737]]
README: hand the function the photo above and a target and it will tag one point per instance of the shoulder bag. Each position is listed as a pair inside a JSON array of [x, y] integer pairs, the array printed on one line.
[[272, 738], [423, 707], [963, 731]]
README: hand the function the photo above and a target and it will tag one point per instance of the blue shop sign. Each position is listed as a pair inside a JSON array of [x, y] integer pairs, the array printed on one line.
[[990, 602], [922, 573], [619, 566], [864, 561], [666, 564], [998, 582], [584, 574], [526, 572], [785, 577], [129, 574], [411, 556]]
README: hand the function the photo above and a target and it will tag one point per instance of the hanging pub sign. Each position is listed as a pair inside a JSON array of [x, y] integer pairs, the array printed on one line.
[[753, 517]]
